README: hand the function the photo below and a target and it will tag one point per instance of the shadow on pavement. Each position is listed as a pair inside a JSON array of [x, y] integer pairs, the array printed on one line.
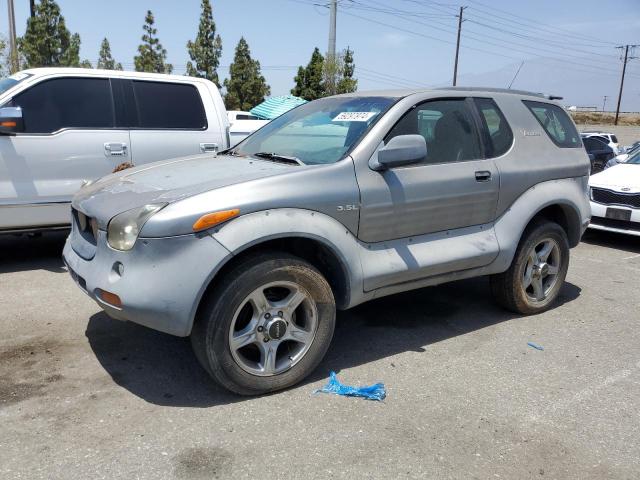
[[162, 369], [619, 241], [19, 253]]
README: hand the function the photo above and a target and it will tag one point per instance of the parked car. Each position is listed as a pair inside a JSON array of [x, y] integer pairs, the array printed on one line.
[[609, 138], [62, 127], [599, 152], [243, 124], [627, 152], [334, 203], [615, 198]]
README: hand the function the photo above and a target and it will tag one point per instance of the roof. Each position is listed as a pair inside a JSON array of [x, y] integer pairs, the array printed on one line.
[[110, 73], [400, 93]]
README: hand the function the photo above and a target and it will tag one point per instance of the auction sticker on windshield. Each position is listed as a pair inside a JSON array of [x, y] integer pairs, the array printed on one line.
[[354, 116]]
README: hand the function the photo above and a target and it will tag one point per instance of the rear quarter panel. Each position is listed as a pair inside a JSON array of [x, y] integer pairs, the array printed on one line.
[[533, 158]]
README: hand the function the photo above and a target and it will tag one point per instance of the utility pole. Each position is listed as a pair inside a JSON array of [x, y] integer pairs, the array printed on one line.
[[13, 53], [333, 8], [627, 58], [455, 66], [604, 101], [32, 8]]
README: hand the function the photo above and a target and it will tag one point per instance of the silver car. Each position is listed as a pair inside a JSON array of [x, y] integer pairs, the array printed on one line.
[[334, 203]]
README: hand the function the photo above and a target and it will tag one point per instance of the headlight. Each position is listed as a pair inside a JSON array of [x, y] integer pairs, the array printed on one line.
[[125, 227]]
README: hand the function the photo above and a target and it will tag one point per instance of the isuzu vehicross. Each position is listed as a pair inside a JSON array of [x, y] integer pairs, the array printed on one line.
[[334, 203]]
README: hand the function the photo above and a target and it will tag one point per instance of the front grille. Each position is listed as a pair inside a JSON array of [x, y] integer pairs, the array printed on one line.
[[87, 226], [611, 223], [615, 198]]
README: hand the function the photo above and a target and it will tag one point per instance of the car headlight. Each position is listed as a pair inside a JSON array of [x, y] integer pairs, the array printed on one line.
[[124, 228]]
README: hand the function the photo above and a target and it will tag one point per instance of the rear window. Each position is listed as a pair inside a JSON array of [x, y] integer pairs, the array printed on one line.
[[614, 139], [556, 123], [163, 105]]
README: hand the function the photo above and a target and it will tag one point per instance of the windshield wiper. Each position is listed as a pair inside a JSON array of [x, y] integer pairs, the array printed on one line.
[[279, 158]]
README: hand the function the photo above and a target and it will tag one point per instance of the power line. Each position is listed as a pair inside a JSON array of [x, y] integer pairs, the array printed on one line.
[[537, 25], [507, 43]]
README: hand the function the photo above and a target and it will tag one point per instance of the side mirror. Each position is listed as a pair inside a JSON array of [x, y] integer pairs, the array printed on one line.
[[11, 120], [401, 150]]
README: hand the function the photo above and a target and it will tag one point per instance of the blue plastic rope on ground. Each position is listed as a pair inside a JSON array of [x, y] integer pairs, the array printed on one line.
[[537, 347], [372, 392]]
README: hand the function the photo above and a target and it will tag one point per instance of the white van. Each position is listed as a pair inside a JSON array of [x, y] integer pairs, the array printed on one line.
[[62, 127]]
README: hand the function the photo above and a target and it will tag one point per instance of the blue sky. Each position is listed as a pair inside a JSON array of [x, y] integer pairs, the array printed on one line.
[[567, 45]]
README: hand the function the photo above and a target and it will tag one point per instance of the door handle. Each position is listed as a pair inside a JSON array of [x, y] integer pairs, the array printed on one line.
[[209, 147], [483, 176], [115, 149]]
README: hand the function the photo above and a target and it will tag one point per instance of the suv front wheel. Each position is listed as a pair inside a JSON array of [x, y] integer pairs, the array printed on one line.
[[267, 324], [537, 272]]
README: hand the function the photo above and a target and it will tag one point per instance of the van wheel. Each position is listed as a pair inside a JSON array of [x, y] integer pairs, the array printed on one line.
[[266, 326], [537, 273]]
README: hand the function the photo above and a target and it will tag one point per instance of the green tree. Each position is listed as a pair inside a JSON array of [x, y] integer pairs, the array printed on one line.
[[105, 60], [309, 81], [152, 57], [347, 83], [47, 42], [246, 87], [85, 64], [205, 51]]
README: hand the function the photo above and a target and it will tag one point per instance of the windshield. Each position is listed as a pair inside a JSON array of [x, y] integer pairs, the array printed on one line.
[[318, 132], [7, 82]]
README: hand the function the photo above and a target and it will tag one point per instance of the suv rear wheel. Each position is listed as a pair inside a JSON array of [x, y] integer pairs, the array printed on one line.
[[267, 326], [537, 273]]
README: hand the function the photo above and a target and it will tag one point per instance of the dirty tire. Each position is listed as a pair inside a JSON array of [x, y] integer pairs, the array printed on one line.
[[217, 316], [508, 288]]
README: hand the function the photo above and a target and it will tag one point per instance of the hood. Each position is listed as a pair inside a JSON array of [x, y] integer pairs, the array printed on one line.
[[168, 181], [618, 177]]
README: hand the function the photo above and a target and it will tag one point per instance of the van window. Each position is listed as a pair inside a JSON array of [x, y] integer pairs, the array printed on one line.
[[556, 123], [60, 103], [499, 131], [163, 105], [446, 125]]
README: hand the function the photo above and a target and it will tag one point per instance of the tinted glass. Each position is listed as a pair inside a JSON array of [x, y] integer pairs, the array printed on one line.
[[164, 105], [446, 125], [66, 103], [322, 131], [556, 123], [614, 139], [244, 116], [501, 136]]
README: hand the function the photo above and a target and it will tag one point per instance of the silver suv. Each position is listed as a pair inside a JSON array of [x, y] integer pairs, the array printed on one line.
[[334, 203]]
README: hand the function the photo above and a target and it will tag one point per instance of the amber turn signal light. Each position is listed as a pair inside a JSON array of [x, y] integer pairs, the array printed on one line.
[[110, 298], [8, 124], [212, 219]]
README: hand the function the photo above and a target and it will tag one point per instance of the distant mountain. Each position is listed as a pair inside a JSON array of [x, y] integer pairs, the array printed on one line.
[[577, 86]]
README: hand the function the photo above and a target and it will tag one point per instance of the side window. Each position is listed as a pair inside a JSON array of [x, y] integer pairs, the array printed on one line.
[[446, 125], [163, 105], [496, 125], [556, 123], [66, 103]]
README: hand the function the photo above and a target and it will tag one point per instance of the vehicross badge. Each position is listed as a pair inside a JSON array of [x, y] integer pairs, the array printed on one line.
[[347, 208]]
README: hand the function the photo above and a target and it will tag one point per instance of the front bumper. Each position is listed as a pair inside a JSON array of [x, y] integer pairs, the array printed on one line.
[[162, 279], [600, 222]]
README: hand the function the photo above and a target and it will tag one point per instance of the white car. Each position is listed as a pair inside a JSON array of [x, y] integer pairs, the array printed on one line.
[[242, 124], [615, 198], [63, 127], [610, 139]]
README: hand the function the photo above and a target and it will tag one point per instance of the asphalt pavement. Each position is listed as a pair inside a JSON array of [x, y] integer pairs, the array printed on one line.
[[83, 396]]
